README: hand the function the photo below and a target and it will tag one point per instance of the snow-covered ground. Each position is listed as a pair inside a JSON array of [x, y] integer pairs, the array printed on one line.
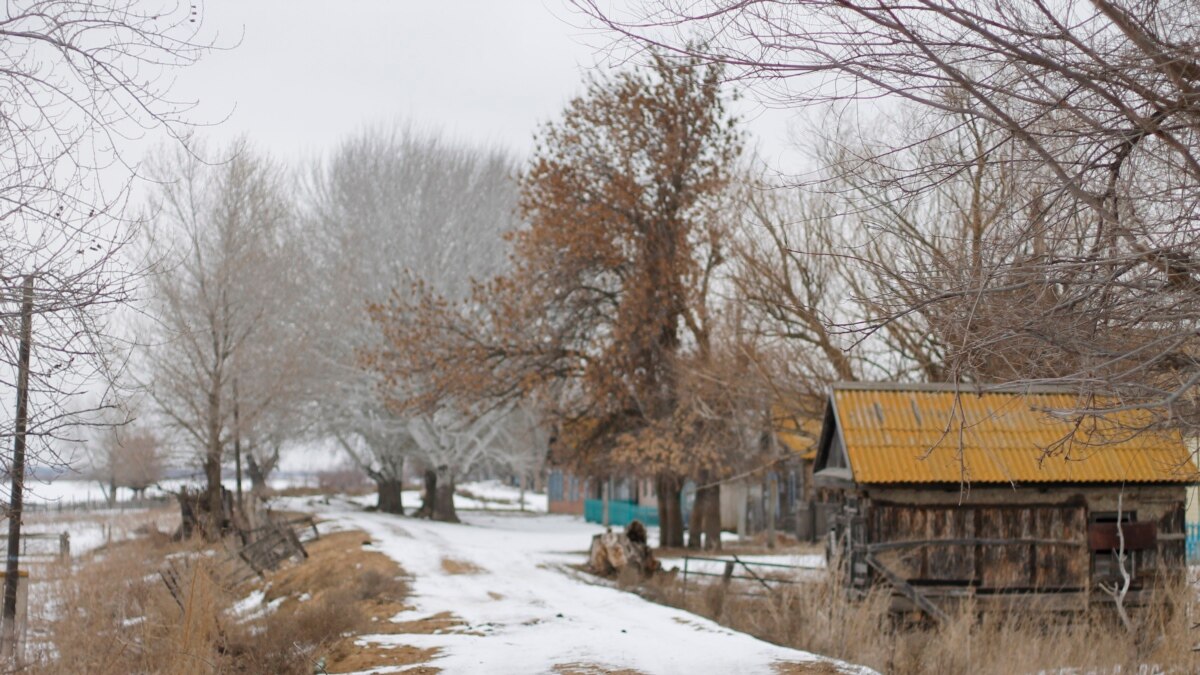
[[489, 495], [525, 611], [477, 495], [803, 561], [67, 491]]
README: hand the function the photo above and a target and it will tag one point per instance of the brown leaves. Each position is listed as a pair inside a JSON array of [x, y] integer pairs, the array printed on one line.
[[609, 281]]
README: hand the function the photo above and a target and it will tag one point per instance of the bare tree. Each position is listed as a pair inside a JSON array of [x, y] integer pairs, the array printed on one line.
[[523, 444], [390, 206], [128, 457], [1092, 106], [230, 366], [450, 444], [79, 79]]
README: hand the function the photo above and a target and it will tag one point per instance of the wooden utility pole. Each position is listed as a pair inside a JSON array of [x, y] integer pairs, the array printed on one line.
[[16, 498], [772, 503], [237, 449]]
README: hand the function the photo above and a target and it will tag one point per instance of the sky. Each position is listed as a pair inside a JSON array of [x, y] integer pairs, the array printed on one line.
[[299, 75]]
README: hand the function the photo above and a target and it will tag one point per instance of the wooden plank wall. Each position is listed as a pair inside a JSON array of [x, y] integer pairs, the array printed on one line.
[[1058, 560]]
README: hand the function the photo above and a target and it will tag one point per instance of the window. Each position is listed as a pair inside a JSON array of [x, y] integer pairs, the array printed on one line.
[[1105, 532]]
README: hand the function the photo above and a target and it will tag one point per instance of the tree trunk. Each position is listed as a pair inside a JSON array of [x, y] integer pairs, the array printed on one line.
[[670, 515], [212, 465], [443, 505], [258, 480], [237, 450], [389, 495], [429, 497], [712, 518], [772, 506], [696, 521]]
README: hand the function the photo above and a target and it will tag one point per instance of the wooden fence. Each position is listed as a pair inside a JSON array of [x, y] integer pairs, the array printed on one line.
[[62, 506], [59, 547], [768, 574]]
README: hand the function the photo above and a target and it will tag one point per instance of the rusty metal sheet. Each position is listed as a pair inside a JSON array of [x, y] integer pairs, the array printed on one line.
[[894, 435], [1138, 536]]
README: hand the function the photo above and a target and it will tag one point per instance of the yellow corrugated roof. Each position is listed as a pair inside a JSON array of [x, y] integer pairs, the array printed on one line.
[[801, 440], [916, 436]]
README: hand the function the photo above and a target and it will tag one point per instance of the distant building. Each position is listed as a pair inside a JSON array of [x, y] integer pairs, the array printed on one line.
[[631, 498], [988, 495], [745, 500], [566, 492]]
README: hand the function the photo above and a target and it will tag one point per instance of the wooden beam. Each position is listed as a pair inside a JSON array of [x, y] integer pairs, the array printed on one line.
[[970, 541], [907, 589]]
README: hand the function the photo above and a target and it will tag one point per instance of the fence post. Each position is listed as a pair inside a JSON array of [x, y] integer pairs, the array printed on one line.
[[64, 546], [772, 503], [606, 494]]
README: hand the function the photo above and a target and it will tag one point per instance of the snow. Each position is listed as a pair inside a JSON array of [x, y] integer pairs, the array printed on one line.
[[67, 491], [489, 495], [249, 604], [523, 611], [498, 496], [92, 529], [805, 561]]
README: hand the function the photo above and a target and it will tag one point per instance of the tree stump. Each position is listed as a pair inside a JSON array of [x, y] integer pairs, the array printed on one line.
[[613, 552]]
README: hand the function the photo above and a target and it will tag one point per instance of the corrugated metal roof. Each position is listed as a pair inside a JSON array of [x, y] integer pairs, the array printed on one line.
[[930, 436], [801, 440]]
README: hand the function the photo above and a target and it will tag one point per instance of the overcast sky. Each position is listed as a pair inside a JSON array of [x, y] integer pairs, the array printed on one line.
[[304, 73]]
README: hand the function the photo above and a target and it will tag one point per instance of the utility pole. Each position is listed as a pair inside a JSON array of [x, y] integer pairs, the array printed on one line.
[[16, 497], [237, 448], [772, 503], [772, 488]]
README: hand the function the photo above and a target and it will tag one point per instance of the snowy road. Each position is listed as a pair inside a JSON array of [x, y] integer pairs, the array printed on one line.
[[521, 613]]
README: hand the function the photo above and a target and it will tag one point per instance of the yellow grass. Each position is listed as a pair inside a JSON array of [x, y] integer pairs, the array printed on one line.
[[818, 617]]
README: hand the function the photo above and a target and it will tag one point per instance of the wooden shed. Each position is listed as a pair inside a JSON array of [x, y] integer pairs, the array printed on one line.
[[988, 494]]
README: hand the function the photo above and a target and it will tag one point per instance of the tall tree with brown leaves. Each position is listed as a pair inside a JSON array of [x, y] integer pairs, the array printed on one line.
[[1093, 107], [609, 282]]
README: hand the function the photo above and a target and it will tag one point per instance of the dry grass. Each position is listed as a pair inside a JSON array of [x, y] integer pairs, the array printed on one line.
[[579, 668], [353, 658], [114, 614], [818, 617], [809, 668], [452, 566]]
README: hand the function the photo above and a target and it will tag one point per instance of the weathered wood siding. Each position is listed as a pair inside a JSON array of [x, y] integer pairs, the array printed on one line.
[[1023, 540], [1007, 565]]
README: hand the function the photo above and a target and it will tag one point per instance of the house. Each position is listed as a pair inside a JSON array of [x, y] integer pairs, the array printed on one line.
[[745, 499], [566, 492], [986, 494], [630, 498]]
